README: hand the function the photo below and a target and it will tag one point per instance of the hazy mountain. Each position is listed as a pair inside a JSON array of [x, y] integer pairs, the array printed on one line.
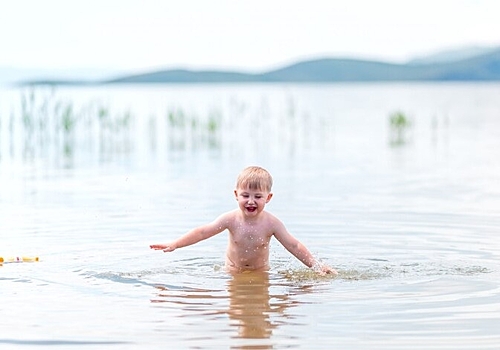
[[458, 65], [477, 68], [453, 55], [185, 76]]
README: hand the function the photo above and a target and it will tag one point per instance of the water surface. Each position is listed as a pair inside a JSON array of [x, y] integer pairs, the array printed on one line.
[[89, 177]]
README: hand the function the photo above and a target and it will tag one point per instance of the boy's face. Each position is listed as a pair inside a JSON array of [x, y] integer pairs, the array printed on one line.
[[252, 202]]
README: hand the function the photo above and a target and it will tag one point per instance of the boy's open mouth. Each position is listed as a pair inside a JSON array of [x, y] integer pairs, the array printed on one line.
[[251, 209]]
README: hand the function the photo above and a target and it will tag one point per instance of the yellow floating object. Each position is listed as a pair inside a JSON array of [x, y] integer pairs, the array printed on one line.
[[19, 259]]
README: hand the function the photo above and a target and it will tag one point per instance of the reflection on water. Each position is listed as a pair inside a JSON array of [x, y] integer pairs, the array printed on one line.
[[260, 309], [253, 311], [250, 305]]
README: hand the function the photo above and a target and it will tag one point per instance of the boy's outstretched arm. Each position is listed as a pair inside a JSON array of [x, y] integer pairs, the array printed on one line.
[[193, 236], [297, 249]]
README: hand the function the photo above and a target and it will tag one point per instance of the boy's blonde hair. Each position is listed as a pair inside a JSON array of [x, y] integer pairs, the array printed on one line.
[[255, 178]]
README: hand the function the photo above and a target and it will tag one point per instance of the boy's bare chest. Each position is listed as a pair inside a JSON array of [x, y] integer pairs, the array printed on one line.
[[251, 233]]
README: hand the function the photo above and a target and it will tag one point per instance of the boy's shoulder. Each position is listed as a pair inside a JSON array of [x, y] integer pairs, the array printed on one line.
[[228, 215], [270, 216]]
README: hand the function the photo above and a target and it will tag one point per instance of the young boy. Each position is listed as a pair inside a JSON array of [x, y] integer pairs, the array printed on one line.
[[250, 228]]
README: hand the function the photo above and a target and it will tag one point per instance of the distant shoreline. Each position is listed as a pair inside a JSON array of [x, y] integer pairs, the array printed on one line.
[[480, 68]]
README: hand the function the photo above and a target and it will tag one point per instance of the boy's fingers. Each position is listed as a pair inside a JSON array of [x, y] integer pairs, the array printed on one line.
[[333, 272]]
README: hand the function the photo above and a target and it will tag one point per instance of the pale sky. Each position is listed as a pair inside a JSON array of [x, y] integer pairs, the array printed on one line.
[[253, 35]]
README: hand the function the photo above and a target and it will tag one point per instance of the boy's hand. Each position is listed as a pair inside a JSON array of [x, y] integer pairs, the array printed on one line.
[[165, 247], [327, 270], [324, 270]]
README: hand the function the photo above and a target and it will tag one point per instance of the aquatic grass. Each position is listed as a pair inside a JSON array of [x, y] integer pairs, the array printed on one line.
[[152, 127], [55, 127], [399, 120], [27, 103], [213, 128], [214, 121], [68, 119], [400, 124], [176, 118], [190, 130], [221, 127], [51, 126]]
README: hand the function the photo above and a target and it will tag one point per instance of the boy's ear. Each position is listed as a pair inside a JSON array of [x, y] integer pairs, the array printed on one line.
[[269, 196], [236, 194]]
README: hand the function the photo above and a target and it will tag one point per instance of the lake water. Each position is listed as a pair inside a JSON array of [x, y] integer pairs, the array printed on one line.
[[90, 176]]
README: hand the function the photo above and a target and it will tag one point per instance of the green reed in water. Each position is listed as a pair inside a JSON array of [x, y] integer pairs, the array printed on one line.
[[51, 126], [60, 128], [400, 124], [179, 119], [54, 126], [190, 130]]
